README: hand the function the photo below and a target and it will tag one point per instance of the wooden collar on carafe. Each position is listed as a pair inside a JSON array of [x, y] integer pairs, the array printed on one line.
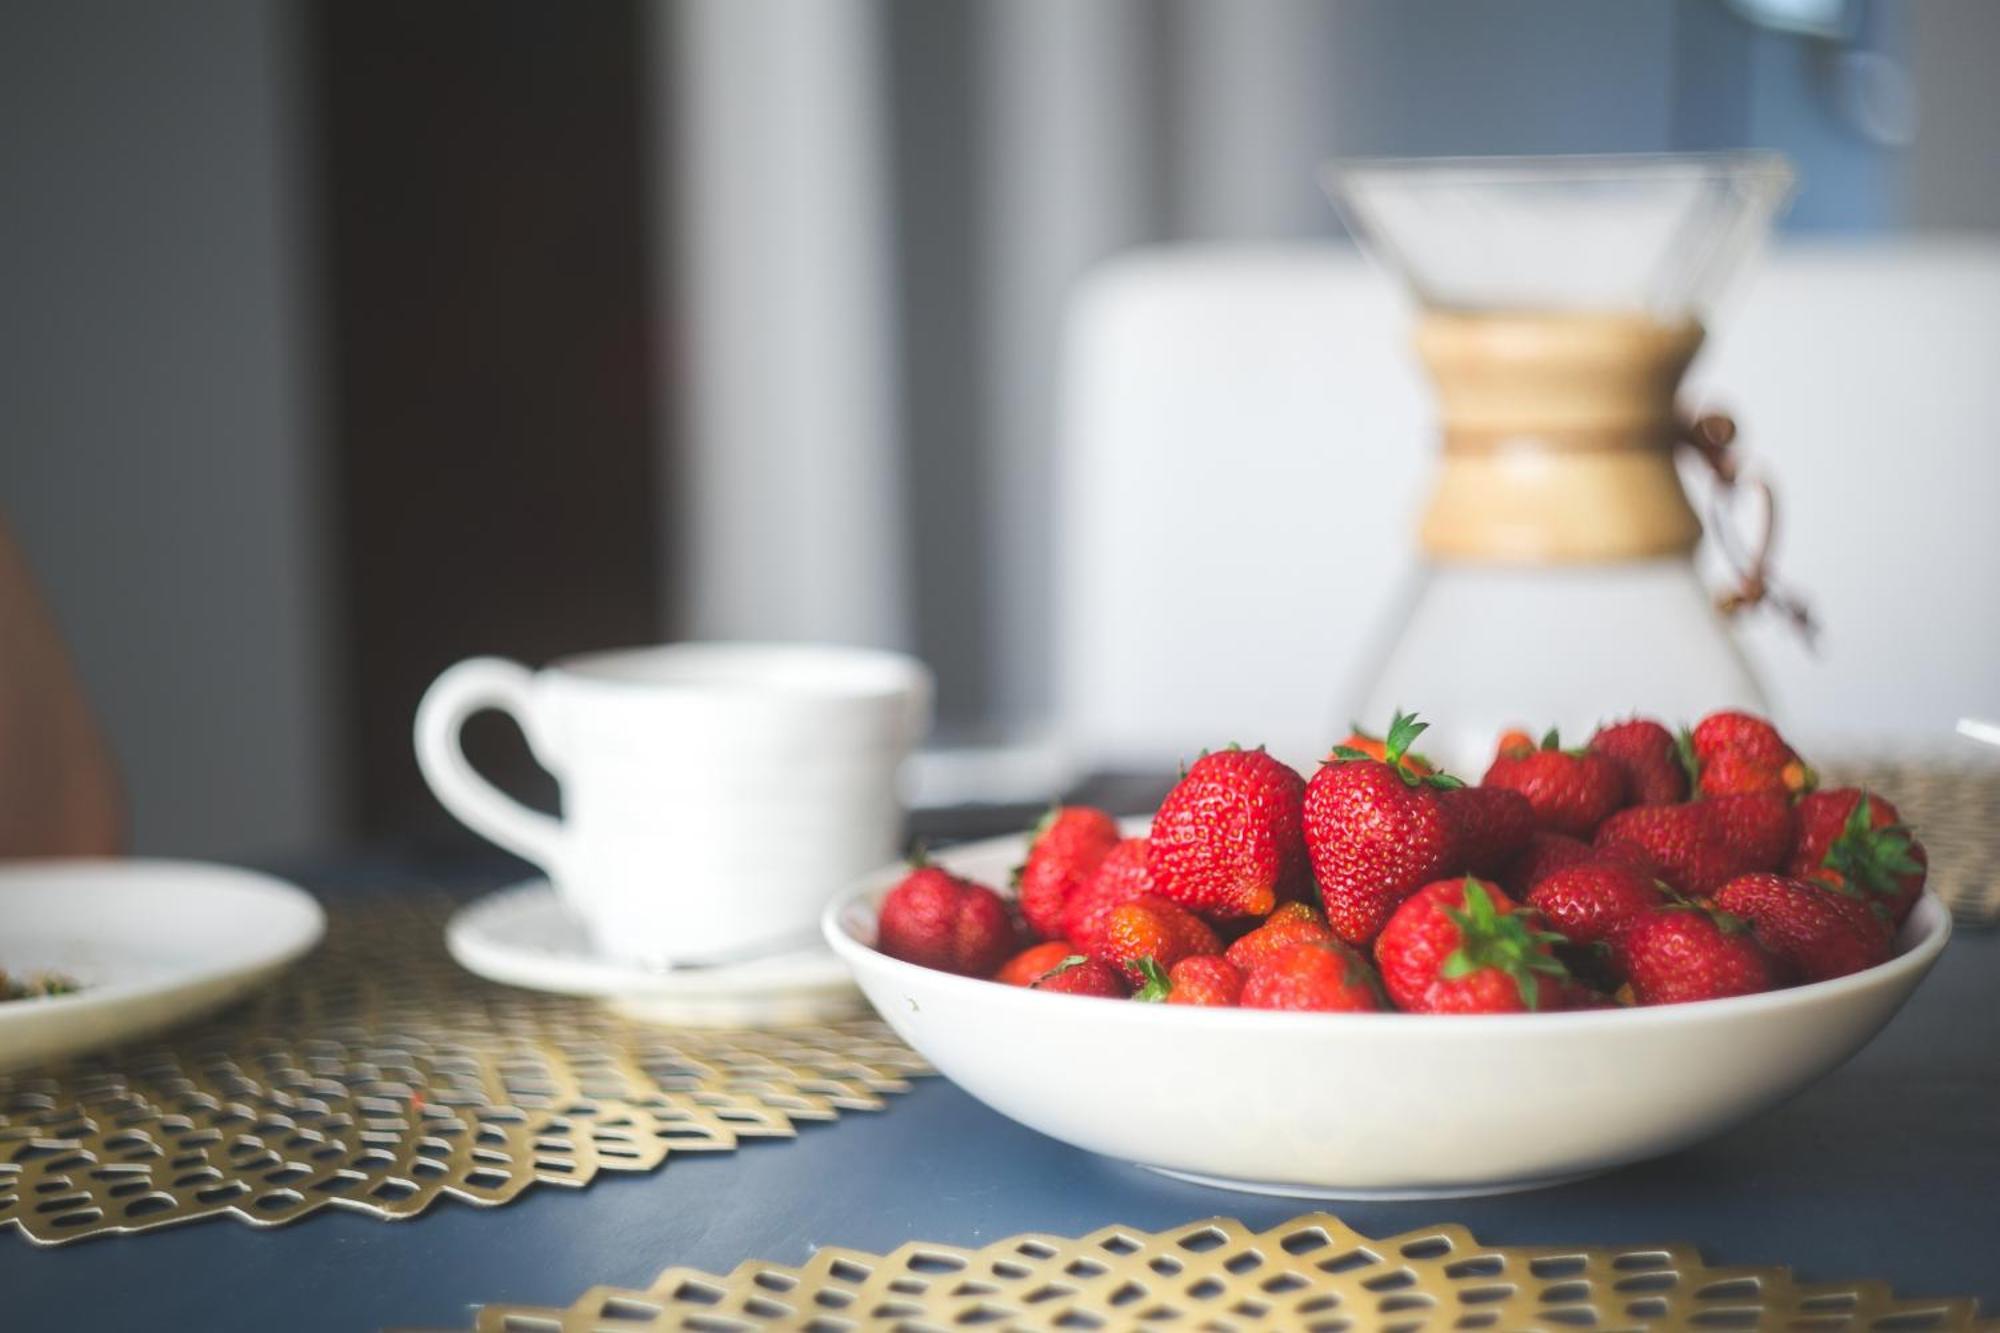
[[1558, 436]]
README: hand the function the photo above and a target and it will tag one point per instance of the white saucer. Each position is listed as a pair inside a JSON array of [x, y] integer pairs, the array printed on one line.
[[524, 936], [152, 943]]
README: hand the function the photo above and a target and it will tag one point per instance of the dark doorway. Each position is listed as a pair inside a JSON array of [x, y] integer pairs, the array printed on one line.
[[491, 398]]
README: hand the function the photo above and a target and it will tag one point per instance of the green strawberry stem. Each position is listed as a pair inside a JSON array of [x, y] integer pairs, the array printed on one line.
[[1404, 728], [1690, 762], [1872, 860], [1403, 732], [1505, 942], [1158, 986], [1074, 960]]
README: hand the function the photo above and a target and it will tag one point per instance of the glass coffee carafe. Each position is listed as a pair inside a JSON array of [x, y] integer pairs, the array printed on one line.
[[1560, 300]]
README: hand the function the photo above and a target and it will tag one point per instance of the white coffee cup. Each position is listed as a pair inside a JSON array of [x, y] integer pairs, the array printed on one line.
[[714, 794]]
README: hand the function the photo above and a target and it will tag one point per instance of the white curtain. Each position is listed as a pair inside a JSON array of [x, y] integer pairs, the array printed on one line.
[[788, 516], [792, 512]]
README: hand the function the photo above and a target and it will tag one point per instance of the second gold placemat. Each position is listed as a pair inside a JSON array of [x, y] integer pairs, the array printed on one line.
[[1311, 1273]]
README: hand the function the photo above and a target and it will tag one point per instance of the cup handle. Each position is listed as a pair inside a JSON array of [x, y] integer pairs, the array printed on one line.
[[473, 686]]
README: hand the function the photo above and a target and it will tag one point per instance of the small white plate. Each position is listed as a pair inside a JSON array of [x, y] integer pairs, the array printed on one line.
[[152, 943], [524, 936]]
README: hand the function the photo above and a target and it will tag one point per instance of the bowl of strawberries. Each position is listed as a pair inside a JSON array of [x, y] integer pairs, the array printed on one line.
[[1385, 982]]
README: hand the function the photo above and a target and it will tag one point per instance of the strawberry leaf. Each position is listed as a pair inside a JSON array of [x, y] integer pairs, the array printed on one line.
[[1157, 986], [1403, 732], [1689, 761], [1348, 753], [1552, 739], [1874, 860], [1074, 960], [1506, 942]]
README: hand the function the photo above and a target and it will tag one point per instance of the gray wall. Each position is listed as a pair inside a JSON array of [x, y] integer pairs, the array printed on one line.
[[153, 420], [1954, 166], [157, 374]]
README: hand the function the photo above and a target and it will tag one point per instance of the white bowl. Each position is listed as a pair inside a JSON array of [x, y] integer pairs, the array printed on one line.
[[1368, 1106]]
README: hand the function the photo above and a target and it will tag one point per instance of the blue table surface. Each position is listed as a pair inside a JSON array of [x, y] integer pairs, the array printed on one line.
[[1889, 1168]]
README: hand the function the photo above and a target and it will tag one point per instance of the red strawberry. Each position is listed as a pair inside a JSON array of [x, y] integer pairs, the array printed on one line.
[[1572, 791], [1461, 946], [1033, 963], [1064, 851], [1592, 902], [1736, 752], [1684, 842], [1857, 839], [935, 919], [1650, 758], [1760, 826], [1153, 928], [1492, 826], [1121, 878], [1633, 858], [1543, 855], [1204, 979], [1814, 931], [1679, 953], [1321, 975], [1376, 833], [1077, 975], [1291, 924], [1226, 841]]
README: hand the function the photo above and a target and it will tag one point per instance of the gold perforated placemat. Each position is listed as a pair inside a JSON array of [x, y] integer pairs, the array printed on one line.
[[1955, 809], [380, 1077], [1311, 1273]]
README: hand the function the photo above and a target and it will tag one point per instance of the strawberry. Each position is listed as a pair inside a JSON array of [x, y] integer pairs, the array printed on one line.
[[1543, 855], [1572, 791], [1204, 979], [1156, 929], [1650, 758], [1685, 843], [1226, 840], [935, 919], [1321, 975], [1678, 953], [1377, 747], [1813, 931], [1033, 963], [1492, 826], [1064, 851], [1735, 752], [1077, 975], [1376, 833], [1760, 827], [1513, 743], [1461, 946], [1592, 902], [1856, 839], [1121, 878], [1291, 924]]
